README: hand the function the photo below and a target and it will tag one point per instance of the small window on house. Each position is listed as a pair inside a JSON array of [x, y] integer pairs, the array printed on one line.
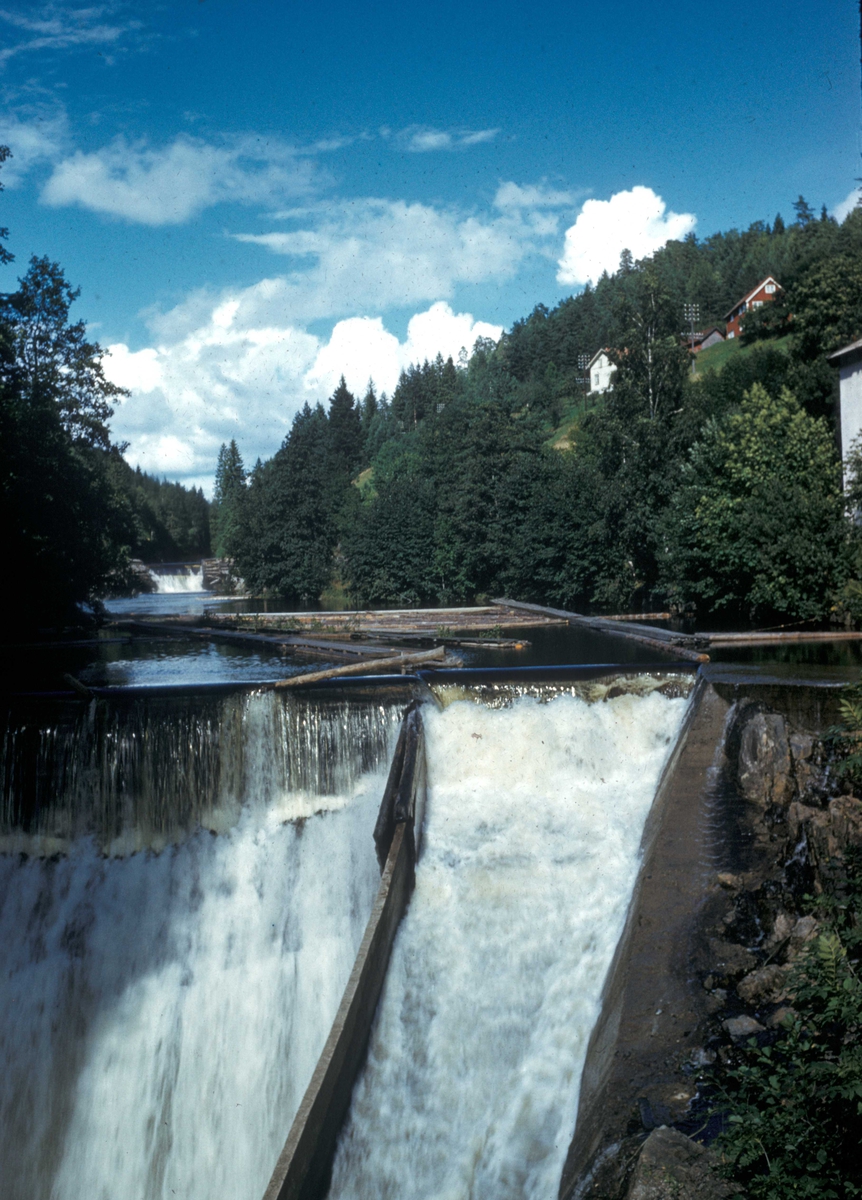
[[596, 380], [757, 304], [770, 289]]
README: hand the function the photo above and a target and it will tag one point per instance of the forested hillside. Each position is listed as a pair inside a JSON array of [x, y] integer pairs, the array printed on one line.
[[716, 493]]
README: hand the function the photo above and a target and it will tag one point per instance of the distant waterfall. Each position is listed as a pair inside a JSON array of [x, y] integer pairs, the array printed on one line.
[[530, 852], [190, 579], [164, 992]]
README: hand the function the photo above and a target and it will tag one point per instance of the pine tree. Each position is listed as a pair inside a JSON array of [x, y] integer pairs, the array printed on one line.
[[228, 497]]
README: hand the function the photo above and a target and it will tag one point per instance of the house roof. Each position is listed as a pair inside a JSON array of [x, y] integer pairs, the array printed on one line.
[[846, 353], [598, 354], [753, 292]]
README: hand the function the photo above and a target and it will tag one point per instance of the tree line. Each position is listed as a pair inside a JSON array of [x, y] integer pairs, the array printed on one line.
[[718, 493], [73, 513]]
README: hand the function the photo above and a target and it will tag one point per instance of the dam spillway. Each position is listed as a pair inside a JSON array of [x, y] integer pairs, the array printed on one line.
[[182, 896], [530, 850], [185, 885]]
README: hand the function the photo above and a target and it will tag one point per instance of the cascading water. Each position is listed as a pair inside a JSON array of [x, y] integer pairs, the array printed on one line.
[[178, 582], [530, 852], [161, 1011]]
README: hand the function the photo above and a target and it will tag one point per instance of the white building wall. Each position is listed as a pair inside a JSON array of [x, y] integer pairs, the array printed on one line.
[[851, 407], [601, 371]]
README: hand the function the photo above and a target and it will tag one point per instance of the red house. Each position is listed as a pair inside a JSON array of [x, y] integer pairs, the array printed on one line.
[[765, 291]]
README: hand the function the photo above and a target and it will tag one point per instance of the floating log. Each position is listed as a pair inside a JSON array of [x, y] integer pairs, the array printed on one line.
[[314, 647], [772, 639], [392, 664], [77, 686], [637, 616], [660, 639]]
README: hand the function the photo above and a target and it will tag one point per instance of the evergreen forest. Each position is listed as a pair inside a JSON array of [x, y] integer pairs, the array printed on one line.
[[716, 492]]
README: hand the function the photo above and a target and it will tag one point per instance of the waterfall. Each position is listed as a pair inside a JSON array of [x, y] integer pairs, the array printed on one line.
[[183, 892], [175, 582], [530, 851]]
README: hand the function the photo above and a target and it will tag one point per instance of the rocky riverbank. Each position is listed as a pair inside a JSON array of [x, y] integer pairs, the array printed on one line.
[[793, 820]]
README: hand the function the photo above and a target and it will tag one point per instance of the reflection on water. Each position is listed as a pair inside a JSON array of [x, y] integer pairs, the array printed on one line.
[[166, 604], [150, 662]]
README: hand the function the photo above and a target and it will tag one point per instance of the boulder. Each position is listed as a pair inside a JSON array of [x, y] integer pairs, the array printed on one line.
[[805, 930], [808, 775], [673, 1167], [728, 960], [781, 930], [740, 1028], [845, 818], [766, 984], [785, 1013], [829, 831], [765, 771]]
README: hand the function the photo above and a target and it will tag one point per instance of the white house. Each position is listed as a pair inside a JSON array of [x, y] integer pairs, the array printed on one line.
[[848, 360], [600, 371]]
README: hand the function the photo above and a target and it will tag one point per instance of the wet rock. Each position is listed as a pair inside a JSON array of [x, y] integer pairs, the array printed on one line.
[[781, 931], [673, 1167], [845, 818], [732, 882], [716, 1001], [782, 1014], [742, 1027], [829, 831], [800, 816], [702, 1057], [765, 771], [766, 984], [805, 930], [729, 961], [808, 775]]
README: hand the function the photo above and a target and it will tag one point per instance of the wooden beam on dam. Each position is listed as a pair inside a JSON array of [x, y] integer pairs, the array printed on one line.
[[304, 1166], [680, 645]]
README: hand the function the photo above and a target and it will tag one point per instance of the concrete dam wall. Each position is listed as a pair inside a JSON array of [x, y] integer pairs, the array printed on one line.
[[245, 945]]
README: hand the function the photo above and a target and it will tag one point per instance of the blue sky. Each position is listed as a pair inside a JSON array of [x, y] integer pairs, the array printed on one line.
[[256, 196]]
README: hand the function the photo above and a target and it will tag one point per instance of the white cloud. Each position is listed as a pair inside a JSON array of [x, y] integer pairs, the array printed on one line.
[[635, 220], [33, 137], [845, 208], [421, 140], [169, 184], [140, 370], [226, 379], [511, 196], [361, 348], [369, 254], [57, 27]]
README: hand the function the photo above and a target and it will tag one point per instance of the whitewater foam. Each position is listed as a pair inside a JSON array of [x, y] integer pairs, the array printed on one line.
[[534, 819], [161, 1013], [178, 582]]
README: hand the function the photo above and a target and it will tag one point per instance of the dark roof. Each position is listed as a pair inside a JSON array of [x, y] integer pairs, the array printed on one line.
[[851, 352]]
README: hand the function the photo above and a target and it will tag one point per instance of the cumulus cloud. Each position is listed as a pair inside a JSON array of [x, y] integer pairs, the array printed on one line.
[[58, 27], [420, 139], [227, 379], [635, 220], [361, 348], [169, 184], [845, 208]]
